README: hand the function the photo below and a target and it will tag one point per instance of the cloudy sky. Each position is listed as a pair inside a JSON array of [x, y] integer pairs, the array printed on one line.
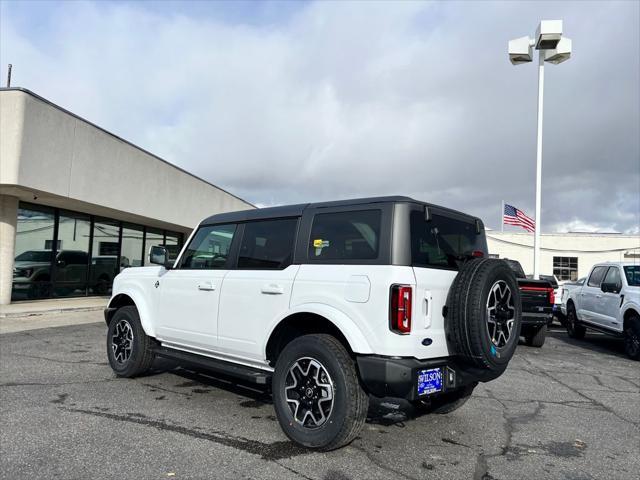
[[295, 102]]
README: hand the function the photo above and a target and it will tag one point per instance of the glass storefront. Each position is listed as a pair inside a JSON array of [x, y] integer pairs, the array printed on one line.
[[68, 254]]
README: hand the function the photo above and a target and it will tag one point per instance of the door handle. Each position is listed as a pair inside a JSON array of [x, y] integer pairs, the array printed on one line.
[[272, 289], [207, 286]]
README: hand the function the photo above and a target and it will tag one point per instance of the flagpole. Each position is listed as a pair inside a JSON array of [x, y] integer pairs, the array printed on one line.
[[502, 217]]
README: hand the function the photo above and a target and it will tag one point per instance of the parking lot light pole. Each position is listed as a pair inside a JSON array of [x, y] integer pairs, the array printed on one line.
[[552, 47]]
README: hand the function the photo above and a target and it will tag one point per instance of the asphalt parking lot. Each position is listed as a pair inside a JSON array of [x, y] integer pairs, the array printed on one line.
[[570, 410]]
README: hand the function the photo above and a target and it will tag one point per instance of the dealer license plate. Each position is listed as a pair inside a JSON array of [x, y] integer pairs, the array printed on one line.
[[430, 381]]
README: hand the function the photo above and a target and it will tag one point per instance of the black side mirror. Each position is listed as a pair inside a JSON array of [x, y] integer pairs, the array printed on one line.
[[610, 287], [160, 256]]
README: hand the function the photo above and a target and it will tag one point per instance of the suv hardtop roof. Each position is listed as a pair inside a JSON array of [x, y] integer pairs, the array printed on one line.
[[297, 210]]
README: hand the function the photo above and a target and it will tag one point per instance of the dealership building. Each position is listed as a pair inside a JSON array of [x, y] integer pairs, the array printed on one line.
[[568, 256], [79, 204]]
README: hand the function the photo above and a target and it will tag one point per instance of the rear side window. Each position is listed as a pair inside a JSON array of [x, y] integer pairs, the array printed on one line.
[[613, 276], [267, 244], [596, 276], [209, 248], [443, 241], [345, 236]]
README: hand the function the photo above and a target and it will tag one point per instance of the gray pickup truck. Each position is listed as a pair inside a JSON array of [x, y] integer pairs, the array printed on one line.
[[32, 272]]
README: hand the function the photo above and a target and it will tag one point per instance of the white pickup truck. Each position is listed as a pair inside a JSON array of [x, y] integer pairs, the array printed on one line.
[[608, 301]]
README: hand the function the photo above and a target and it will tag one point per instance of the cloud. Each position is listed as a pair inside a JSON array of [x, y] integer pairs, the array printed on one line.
[[355, 99]]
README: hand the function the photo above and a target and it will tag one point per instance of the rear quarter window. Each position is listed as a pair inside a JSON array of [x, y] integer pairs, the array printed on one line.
[[595, 279], [350, 235]]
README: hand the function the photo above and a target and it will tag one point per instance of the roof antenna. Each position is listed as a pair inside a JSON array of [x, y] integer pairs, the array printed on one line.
[[9, 76]]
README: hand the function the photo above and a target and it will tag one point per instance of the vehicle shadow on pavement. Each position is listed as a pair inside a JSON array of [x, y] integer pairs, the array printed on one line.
[[593, 341], [385, 412]]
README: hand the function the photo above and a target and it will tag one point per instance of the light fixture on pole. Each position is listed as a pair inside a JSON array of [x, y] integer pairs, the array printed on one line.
[[552, 47]]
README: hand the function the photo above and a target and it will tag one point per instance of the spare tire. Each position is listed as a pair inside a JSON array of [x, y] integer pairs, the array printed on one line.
[[483, 317]]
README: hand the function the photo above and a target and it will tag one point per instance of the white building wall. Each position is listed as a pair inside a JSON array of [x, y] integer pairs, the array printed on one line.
[[589, 248]]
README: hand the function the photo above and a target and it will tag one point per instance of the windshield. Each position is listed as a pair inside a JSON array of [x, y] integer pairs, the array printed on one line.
[[632, 272], [444, 241], [34, 256]]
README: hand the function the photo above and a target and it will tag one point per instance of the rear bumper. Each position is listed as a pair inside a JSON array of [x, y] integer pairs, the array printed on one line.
[[398, 377], [535, 319]]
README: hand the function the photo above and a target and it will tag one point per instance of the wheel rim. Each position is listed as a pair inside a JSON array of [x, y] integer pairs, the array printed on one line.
[[122, 341], [501, 314], [309, 392], [632, 343]]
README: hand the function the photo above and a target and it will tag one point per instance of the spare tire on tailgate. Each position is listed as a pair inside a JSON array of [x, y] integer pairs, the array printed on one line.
[[484, 314]]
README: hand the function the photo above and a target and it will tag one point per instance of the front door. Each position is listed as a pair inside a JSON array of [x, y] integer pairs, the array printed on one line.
[[190, 292], [258, 291]]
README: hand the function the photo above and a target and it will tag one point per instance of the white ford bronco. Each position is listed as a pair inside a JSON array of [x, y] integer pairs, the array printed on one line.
[[326, 304]]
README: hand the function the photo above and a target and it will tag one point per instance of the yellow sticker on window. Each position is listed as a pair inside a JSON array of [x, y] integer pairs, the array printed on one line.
[[317, 243]]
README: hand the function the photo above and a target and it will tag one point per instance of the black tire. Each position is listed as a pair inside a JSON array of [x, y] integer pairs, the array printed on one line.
[[447, 402], [140, 354], [468, 318], [348, 410], [632, 337], [536, 336], [574, 329]]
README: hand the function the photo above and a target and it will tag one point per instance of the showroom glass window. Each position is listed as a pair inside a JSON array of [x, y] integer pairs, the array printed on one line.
[[34, 253], [131, 252], [70, 269], [104, 256], [565, 268], [209, 248], [267, 244]]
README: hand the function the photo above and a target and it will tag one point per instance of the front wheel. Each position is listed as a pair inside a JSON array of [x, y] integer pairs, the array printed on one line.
[[129, 349], [317, 396]]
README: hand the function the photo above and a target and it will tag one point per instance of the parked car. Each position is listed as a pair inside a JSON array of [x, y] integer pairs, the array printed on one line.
[[609, 301], [32, 272], [538, 298], [565, 288], [327, 303]]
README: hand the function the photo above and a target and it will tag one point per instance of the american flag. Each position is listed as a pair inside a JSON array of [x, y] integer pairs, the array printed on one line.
[[513, 216]]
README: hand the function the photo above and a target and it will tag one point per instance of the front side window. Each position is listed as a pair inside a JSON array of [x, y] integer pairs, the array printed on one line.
[[596, 276], [267, 244], [209, 248], [345, 236], [613, 277]]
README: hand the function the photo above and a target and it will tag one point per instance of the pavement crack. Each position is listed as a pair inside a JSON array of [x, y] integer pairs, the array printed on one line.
[[268, 451], [383, 466]]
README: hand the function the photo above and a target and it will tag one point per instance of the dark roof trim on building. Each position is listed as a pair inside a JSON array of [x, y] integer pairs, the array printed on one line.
[[50, 103]]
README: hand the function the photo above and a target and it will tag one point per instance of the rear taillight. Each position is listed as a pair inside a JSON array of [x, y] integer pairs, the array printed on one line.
[[552, 296], [400, 311], [477, 254]]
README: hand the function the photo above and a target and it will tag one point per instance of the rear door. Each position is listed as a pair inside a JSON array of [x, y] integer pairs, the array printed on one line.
[[190, 292], [438, 243], [590, 293], [607, 305], [258, 289]]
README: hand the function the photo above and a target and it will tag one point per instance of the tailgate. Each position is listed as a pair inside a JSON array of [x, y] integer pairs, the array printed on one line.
[[537, 296]]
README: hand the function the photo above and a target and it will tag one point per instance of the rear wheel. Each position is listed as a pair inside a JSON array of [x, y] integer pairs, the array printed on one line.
[[129, 349], [317, 396], [632, 337], [536, 336], [574, 329]]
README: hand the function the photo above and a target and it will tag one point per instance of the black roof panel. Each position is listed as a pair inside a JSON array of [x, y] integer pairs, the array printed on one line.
[[297, 210]]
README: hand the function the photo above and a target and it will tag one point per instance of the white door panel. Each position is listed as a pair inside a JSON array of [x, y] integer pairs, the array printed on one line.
[[188, 307], [250, 301]]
